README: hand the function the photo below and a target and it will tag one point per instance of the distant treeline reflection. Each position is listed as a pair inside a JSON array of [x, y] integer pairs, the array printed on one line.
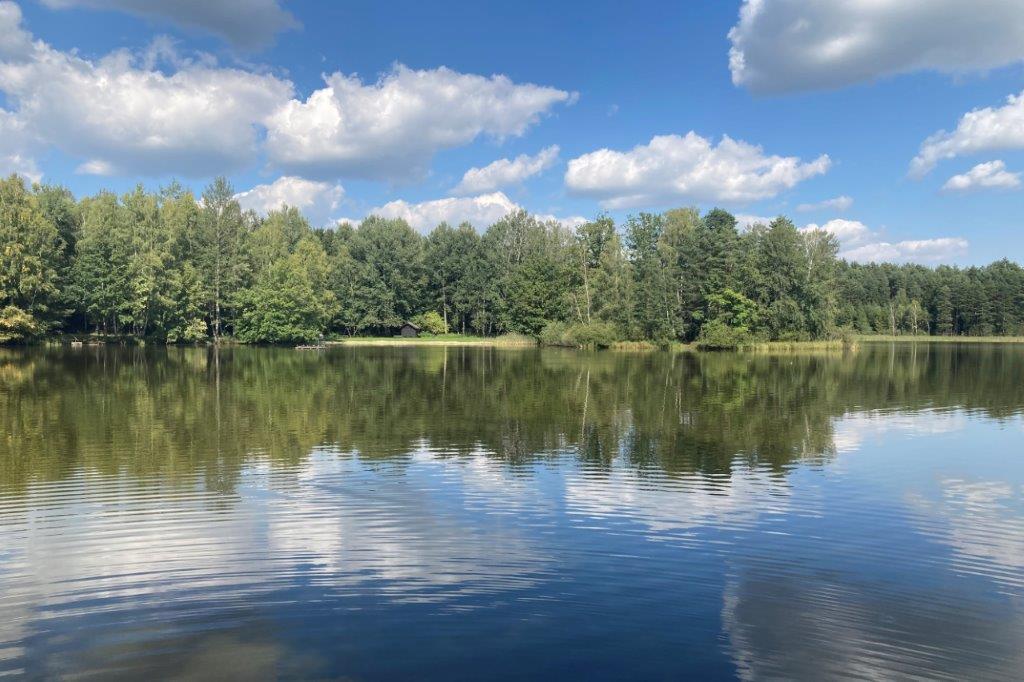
[[186, 411]]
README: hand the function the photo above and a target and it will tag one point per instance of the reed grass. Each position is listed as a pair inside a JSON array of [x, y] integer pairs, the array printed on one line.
[[504, 341], [886, 338]]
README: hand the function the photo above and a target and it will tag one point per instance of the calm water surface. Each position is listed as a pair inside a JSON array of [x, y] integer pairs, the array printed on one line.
[[476, 513]]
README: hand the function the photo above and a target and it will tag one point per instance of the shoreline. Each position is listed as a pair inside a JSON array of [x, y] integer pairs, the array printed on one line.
[[508, 341], [521, 341], [885, 338]]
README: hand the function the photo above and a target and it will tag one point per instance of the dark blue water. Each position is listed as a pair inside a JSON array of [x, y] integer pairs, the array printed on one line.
[[485, 514]]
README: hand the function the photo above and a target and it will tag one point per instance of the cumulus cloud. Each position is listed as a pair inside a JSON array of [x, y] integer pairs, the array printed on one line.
[[746, 221], [980, 130], [120, 114], [317, 200], [504, 172], [123, 116], [250, 26], [15, 148], [848, 232], [857, 242], [15, 41], [991, 175], [933, 251], [391, 129], [791, 45], [571, 222], [22, 165], [480, 211], [686, 168], [840, 203]]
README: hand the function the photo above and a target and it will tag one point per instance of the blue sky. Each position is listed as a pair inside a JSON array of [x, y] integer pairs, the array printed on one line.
[[832, 113]]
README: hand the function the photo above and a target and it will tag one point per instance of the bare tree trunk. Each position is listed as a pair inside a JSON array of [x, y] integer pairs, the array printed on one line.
[[586, 282], [444, 305]]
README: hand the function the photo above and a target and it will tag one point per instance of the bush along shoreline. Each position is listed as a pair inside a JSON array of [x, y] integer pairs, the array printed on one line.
[[168, 267]]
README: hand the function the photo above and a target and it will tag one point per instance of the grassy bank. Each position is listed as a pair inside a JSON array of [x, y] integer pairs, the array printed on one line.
[[799, 346], [885, 338], [505, 341], [523, 341]]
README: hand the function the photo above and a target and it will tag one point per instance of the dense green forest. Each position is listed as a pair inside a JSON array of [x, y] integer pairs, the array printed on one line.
[[170, 267]]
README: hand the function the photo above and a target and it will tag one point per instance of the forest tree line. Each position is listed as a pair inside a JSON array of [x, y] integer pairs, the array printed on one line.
[[171, 267]]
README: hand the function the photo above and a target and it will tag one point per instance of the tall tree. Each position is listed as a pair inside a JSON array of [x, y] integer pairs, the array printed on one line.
[[221, 233], [392, 255], [653, 315], [31, 252]]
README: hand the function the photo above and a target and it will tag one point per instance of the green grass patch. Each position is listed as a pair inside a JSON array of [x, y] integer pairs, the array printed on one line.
[[799, 346], [507, 340]]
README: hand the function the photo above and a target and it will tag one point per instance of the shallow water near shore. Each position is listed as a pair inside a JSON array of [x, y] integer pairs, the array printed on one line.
[[470, 513]]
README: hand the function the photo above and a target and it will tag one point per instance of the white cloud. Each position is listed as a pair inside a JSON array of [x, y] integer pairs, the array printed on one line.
[[571, 222], [15, 148], [391, 129], [840, 203], [480, 211], [317, 200], [253, 25], [14, 40], [123, 117], [788, 45], [686, 168], [848, 232], [933, 251], [992, 175], [857, 242], [95, 167], [980, 130], [504, 172], [22, 165], [745, 221]]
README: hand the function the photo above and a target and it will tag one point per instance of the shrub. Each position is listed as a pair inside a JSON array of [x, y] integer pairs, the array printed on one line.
[[431, 322], [594, 334], [191, 332], [17, 325], [717, 335], [555, 334], [580, 335], [846, 335]]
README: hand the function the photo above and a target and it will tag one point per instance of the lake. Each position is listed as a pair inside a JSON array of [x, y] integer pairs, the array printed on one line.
[[471, 513]]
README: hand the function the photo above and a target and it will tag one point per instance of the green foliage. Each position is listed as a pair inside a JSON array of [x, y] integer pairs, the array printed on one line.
[[719, 335], [431, 323], [17, 325], [30, 263], [734, 309], [379, 276], [653, 314], [288, 303], [220, 235], [580, 335], [165, 266]]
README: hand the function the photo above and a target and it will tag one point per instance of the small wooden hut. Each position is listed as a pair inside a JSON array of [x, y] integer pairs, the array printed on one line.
[[409, 330]]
